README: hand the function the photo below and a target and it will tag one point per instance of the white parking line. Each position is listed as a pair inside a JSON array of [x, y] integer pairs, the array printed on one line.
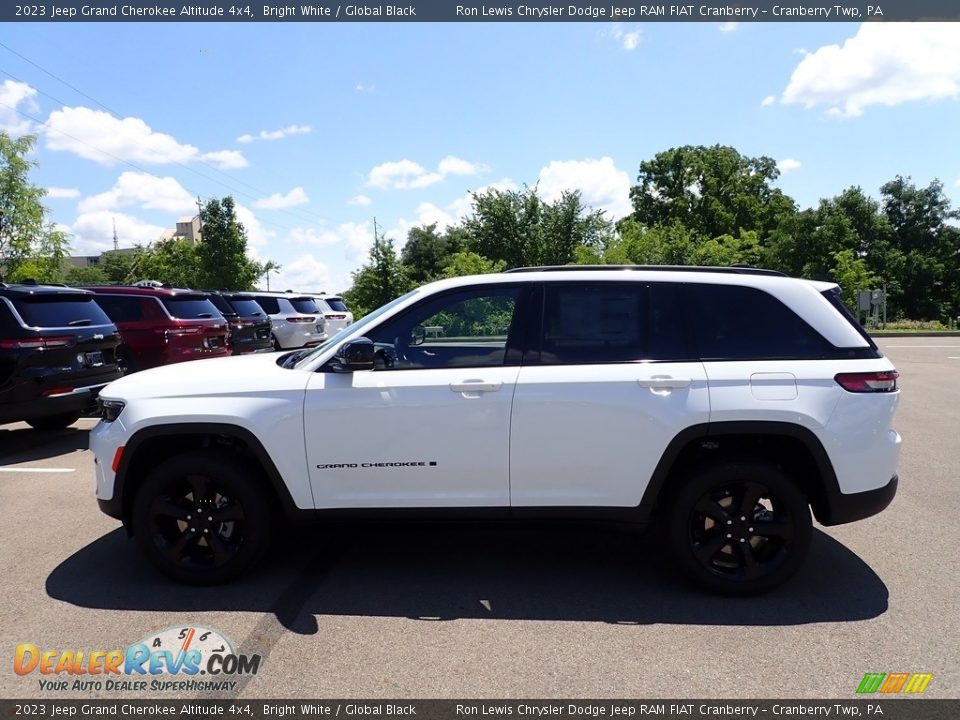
[[37, 470]]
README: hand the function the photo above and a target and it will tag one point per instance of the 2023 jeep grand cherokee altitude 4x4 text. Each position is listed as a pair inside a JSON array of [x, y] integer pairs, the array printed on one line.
[[725, 402]]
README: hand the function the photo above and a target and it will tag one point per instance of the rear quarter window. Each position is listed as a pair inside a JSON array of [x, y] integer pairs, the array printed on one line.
[[58, 311], [744, 323]]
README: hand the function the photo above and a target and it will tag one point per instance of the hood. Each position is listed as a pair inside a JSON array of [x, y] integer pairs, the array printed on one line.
[[233, 375]]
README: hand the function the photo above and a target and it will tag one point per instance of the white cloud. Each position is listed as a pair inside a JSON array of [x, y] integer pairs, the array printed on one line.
[[278, 201], [225, 159], [768, 100], [957, 183], [256, 233], [58, 192], [361, 88], [275, 134], [361, 200], [883, 64], [728, 26], [787, 164], [12, 95], [144, 190], [105, 139], [451, 165], [407, 175], [92, 232], [628, 39], [308, 274], [355, 239], [601, 184]]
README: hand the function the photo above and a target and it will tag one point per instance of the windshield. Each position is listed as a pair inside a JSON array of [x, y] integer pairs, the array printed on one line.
[[190, 308], [60, 311], [355, 330]]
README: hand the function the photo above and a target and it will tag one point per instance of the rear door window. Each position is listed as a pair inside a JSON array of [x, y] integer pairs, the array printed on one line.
[[270, 305], [305, 305], [190, 308], [247, 307], [60, 311], [121, 308]]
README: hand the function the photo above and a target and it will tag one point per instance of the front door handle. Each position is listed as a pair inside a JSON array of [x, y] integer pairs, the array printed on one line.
[[475, 386], [664, 382]]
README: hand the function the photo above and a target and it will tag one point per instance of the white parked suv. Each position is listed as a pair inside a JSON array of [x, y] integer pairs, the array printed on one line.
[[335, 313], [296, 320], [726, 402]]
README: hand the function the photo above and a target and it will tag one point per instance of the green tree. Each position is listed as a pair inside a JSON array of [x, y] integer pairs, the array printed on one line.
[[428, 252], [852, 275], [174, 261], [519, 228], [119, 267], [379, 281], [222, 252], [711, 191], [924, 247], [30, 246], [90, 275], [469, 263]]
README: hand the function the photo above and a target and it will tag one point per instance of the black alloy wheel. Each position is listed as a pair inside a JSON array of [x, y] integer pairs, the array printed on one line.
[[740, 528], [202, 518]]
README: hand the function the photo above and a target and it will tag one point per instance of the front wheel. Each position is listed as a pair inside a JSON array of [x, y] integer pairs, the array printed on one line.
[[739, 528], [202, 518]]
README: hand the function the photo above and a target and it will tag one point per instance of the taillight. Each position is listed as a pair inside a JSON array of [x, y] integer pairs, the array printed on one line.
[[334, 317], [868, 382], [300, 319], [38, 343], [182, 331], [55, 391]]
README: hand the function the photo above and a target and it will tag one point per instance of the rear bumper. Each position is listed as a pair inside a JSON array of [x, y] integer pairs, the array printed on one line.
[[841, 508], [78, 400]]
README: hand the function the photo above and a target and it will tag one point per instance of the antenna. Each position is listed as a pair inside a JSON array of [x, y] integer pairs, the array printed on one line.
[[116, 243]]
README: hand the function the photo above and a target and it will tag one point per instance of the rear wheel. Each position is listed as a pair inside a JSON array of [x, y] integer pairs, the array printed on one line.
[[54, 422], [202, 518], [125, 362], [275, 343], [739, 528]]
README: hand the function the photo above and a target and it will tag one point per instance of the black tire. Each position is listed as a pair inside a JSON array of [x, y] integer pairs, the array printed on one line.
[[276, 343], [54, 422], [125, 362], [740, 528], [229, 535]]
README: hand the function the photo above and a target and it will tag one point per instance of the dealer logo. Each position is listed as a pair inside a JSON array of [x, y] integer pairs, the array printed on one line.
[[172, 659]]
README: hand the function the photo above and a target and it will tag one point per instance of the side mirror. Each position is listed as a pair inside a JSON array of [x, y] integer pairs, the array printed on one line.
[[356, 354]]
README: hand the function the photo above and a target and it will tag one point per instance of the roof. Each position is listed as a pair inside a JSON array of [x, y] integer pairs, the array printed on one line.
[[32, 289], [143, 291]]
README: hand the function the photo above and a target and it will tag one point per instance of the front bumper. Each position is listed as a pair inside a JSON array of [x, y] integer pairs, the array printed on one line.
[[841, 508]]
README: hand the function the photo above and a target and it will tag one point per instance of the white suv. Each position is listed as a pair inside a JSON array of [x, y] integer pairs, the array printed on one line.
[[726, 402], [296, 320], [335, 313]]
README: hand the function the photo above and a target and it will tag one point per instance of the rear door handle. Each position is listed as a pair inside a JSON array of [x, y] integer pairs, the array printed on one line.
[[664, 382], [476, 386]]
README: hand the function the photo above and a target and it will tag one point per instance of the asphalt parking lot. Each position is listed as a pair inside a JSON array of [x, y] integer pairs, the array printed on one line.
[[485, 611]]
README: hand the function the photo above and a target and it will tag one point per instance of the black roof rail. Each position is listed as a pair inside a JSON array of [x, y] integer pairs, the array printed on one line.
[[732, 270]]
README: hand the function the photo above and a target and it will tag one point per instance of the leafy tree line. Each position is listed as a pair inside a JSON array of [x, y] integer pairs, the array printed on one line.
[[31, 247], [697, 205]]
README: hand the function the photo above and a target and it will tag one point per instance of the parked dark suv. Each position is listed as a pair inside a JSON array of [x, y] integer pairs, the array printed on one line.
[[56, 352], [249, 324], [159, 326]]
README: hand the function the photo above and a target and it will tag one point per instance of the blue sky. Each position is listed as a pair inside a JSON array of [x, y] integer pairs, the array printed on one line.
[[316, 129]]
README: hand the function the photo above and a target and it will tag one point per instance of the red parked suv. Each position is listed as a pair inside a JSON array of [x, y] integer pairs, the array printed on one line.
[[159, 326]]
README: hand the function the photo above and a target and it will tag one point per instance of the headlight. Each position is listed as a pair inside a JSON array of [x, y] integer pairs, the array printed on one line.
[[110, 409]]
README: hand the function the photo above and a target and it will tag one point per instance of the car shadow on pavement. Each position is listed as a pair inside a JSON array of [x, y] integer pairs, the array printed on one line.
[[438, 572], [23, 444]]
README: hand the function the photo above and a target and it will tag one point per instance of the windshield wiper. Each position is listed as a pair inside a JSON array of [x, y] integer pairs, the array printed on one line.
[[81, 321], [204, 315]]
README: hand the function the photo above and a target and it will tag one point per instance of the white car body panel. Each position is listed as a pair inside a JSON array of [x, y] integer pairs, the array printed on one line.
[[247, 391], [391, 416], [592, 435]]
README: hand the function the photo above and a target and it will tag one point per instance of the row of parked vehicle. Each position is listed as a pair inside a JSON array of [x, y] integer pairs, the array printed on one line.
[[60, 345]]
